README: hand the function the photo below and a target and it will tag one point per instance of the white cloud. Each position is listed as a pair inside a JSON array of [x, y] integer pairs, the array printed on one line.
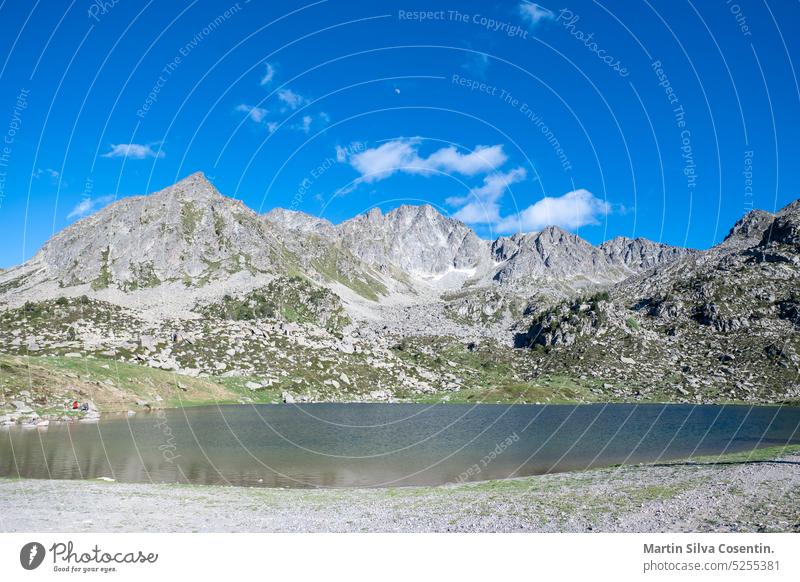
[[481, 159], [89, 205], [257, 114], [133, 151], [307, 120], [381, 162], [268, 75], [534, 13], [482, 204], [292, 99], [402, 155], [48, 171], [572, 210], [272, 126]]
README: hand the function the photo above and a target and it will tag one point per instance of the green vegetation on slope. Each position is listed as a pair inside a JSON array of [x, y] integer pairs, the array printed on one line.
[[493, 373], [332, 266], [292, 299], [112, 386]]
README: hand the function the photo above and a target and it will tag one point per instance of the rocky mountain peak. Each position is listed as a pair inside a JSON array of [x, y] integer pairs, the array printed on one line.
[[791, 208], [557, 235], [374, 215], [639, 254], [748, 230], [187, 233], [412, 212], [194, 187], [415, 239]]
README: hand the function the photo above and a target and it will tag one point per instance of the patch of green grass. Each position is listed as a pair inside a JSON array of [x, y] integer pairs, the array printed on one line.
[[190, 219], [219, 223], [144, 277], [362, 283], [56, 316], [292, 299], [103, 279], [755, 455], [112, 385], [490, 373], [236, 385]]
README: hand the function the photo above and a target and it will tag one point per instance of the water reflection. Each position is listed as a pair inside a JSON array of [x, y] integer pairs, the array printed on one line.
[[344, 445]]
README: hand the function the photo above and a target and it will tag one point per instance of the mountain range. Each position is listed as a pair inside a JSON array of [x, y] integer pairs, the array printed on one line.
[[410, 304], [191, 236]]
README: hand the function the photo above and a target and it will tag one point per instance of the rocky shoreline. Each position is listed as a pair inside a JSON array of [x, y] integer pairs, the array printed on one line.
[[25, 414], [757, 491]]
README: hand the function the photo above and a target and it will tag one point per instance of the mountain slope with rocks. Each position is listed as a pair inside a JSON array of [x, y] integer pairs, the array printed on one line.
[[406, 305], [721, 325]]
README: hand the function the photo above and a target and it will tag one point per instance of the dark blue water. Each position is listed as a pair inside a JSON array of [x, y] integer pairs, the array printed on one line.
[[346, 445]]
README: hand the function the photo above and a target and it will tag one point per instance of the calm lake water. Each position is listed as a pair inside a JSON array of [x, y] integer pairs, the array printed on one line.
[[346, 445]]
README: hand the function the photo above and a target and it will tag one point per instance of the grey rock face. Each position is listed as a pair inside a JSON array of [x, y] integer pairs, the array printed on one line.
[[550, 254], [422, 243], [785, 229], [639, 254], [301, 222], [415, 239], [554, 256]]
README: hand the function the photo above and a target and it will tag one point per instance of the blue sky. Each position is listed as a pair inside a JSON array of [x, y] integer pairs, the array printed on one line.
[[667, 120]]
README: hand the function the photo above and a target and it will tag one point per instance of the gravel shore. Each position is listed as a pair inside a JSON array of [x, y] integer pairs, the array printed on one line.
[[753, 493]]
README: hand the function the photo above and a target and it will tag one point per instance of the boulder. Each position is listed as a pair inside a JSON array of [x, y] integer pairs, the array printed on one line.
[[21, 407], [346, 347], [147, 342]]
